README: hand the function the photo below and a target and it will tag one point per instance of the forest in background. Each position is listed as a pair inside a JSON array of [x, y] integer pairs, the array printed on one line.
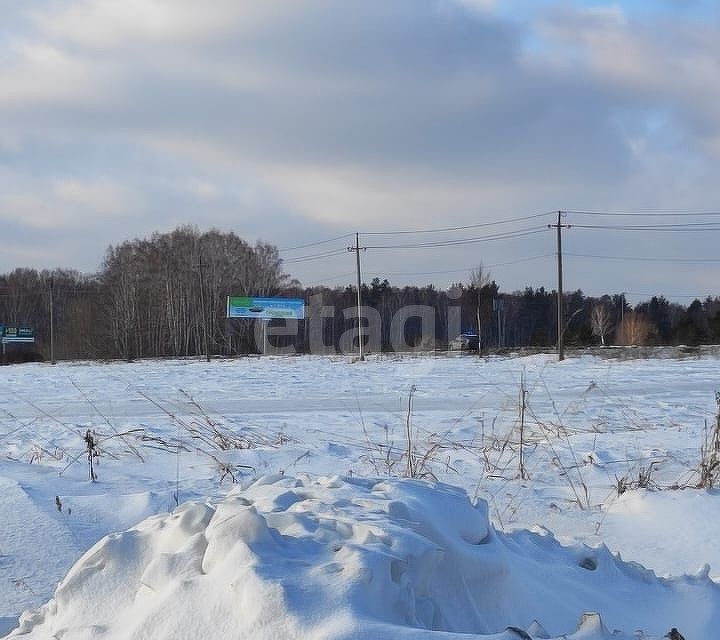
[[166, 296]]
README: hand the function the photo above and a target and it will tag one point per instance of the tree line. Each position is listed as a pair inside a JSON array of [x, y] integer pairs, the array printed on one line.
[[166, 296], [161, 296], [526, 318]]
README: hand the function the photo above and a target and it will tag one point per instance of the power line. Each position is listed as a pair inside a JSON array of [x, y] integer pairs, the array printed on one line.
[[315, 244], [676, 228], [646, 213], [520, 233], [416, 231], [462, 228], [429, 273], [465, 269], [646, 258], [585, 212], [329, 279], [685, 224], [315, 256]]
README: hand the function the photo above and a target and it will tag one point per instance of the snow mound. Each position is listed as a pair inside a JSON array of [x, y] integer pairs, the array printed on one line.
[[319, 558]]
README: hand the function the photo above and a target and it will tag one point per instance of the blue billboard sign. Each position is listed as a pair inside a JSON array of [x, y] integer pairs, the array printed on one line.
[[265, 308]]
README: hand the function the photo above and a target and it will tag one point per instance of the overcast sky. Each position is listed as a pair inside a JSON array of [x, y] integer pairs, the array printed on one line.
[[296, 121]]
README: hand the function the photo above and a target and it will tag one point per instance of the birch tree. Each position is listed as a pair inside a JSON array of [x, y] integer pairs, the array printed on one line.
[[600, 321]]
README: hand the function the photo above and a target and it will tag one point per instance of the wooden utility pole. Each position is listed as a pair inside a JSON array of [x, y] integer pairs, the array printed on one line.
[[357, 249], [560, 314]]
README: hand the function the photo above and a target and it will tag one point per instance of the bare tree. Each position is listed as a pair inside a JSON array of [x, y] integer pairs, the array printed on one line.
[[635, 330], [121, 277], [479, 279], [601, 321], [168, 293]]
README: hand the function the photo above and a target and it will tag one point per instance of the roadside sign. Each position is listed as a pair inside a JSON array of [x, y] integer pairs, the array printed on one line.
[[265, 308], [17, 334]]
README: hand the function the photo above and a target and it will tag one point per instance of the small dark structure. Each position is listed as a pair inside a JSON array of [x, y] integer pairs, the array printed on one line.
[[465, 342]]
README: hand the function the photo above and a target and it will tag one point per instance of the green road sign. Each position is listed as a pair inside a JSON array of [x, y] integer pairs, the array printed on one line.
[[17, 334]]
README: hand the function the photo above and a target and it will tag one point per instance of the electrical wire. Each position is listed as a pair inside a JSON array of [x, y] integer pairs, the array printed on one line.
[[463, 270], [520, 260], [428, 273], [645, 258], [520, 233], [644, 213], [462, 228], [676, 228], [412, 231], [315, 256], [329, 279], [315, 244]]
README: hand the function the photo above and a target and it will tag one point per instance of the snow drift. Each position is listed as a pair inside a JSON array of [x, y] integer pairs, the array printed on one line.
[[339, 558]]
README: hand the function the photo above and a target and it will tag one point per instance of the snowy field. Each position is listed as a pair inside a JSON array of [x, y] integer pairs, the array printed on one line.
[[297, 520]]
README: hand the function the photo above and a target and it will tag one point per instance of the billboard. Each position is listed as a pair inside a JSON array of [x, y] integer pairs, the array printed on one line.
[[265, 308], [16, 334]]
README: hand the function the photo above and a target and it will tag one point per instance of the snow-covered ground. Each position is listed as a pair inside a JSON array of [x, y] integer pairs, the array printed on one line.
[[332, 541]]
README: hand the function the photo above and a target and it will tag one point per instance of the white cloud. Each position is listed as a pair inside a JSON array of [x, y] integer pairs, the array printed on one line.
[[482, 6], [100, 197], [37, 73], [108, 24], [68, 204]]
